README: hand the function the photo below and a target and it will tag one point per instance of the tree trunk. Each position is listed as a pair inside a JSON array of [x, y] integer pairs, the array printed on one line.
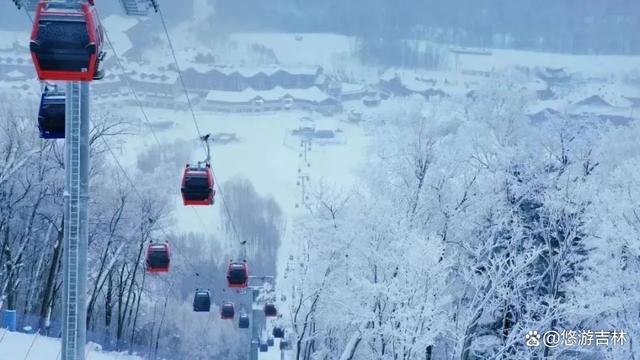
[[120, 324], [469, 335], [47, 294], [108, 305], [132, 276], [164, 312], [350, 350], [135, 317]]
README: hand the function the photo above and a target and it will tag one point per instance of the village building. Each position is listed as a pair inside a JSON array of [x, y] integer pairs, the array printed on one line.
[[204, 78], [15, 60], [276, 99]]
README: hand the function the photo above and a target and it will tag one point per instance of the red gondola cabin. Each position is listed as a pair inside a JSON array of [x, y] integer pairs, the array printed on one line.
[[238, 275], [227, 311], [66, 42], [158, 258], [197, 185]]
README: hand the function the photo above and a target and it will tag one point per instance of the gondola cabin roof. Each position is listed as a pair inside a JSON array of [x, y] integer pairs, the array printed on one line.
[[158, 247], [197, 173], [56, 97]]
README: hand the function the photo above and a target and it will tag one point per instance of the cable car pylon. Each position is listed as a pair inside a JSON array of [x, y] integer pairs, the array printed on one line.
[[53, 61], [76, 198]]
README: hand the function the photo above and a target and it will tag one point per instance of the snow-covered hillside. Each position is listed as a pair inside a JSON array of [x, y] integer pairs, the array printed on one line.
[[14, 346]]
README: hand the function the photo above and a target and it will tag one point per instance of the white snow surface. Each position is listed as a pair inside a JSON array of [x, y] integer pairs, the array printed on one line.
[[277, 93], [310, 49], [591, 64], [116, 31], [266, 154], [14, 345], [9, 39]]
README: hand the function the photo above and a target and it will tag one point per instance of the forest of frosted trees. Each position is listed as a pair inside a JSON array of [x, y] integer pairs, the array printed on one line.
[[470, 227]]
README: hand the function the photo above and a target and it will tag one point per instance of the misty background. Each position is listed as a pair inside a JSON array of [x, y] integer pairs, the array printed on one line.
[[580, 27]]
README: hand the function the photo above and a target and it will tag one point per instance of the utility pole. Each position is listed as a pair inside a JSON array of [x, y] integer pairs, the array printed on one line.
[[76, 196], [303, 178], [305, 144], [255, 327]]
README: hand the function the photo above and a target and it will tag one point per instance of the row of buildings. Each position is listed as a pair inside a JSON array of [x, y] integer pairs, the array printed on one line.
[[210, 85], [218, 89], [556, 91]]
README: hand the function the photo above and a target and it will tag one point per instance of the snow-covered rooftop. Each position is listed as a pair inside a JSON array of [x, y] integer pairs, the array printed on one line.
[[269, 70], [12, 39], [311, 94], [166, 77], [452, 83], [115, 29], [15, 57], [350, 87], [15, 74]]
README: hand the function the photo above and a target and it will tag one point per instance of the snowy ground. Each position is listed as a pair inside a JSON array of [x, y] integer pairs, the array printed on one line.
[[14, 346], [595, 65]]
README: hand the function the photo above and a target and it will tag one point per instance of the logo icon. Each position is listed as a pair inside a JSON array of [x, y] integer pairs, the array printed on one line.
[[533, 338], [551, 339]]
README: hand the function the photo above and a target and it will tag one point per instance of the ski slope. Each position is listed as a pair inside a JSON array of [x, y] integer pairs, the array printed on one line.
[[14, 346], [266, 154]]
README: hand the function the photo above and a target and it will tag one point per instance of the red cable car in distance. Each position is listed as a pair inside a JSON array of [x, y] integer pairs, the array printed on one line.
[[238, 275], [158, 257], [197, 185], [66, 42]]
